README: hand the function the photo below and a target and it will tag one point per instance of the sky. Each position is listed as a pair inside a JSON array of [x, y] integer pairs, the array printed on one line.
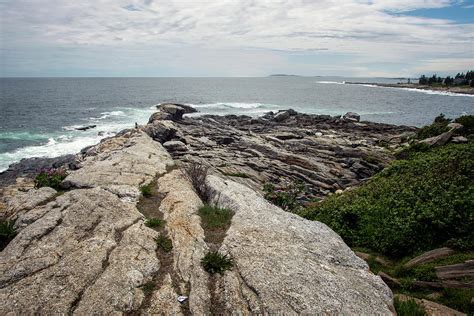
[[235, 38]]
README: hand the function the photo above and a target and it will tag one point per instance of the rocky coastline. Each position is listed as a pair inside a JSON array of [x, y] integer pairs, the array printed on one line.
[[456, 90], [87, 249]]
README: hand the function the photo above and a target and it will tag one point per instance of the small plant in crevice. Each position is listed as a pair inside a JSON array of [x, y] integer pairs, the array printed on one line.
[[213, 217], [214, 262], [286, 197], [50, 178], [164, 243], [7, 233], [148, 287], [196, 174], [408, 308], [154, 222], [146, 190]]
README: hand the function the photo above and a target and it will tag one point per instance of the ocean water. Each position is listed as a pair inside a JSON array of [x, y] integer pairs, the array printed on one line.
[[39, 116]]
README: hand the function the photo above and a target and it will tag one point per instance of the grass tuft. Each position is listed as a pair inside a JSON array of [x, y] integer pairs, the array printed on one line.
[[154, 222], [164, 243], [7, 233], [215, 217], [214, 262], [146, 190], [408, 308]]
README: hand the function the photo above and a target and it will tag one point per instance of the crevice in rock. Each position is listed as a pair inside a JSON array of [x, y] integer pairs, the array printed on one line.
[[150, 207], [118, 235]]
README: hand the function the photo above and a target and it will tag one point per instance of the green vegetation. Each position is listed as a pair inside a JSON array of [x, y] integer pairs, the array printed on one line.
[[214, 262], [7, 233], [287, 197], [213, 217], [408, 308], [50, 178], [416, 204], [154, 222], [439, 126], [146, 190], [461, 79], [148, 287], [164, 243], [467, 121]]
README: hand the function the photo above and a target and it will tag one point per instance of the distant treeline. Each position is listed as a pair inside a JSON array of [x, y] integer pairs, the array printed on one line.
[[461, 79]]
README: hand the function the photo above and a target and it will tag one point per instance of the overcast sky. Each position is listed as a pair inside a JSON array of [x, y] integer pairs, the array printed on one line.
[[163, 38]]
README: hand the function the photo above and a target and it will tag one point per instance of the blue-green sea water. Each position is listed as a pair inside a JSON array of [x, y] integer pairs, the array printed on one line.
[[39, 115]]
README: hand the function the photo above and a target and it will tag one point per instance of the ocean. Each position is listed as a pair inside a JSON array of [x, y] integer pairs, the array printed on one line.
[[39, 116]]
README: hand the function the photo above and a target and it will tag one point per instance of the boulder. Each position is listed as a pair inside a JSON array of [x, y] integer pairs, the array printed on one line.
[[161, 131], [281, 116], [268, 244], [390, 281], [165, 106], [175, 145], [351, 117], [159, 116], [431, 308]]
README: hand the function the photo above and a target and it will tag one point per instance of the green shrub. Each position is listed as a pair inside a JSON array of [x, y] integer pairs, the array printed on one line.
[[415, 147], [154, 222], [164, 243], [467, 121], [7, 233], [148, 287], [214, 262], [146, 190], [408, 308], [286, 197], [215, 217], [459, 299], [438, 127], [50, 178], [414, 205], [236, 174]]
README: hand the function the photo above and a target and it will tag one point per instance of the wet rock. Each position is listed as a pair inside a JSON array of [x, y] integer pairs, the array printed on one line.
[[281, 116], [85, 128], [351, 117], [187, 108]]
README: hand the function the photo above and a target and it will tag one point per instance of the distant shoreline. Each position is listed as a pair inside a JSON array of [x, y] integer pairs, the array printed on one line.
[[457, 90]]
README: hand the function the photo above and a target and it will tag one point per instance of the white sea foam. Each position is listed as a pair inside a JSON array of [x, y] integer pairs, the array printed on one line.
[[70, 140], [433, 92], [331, 82]]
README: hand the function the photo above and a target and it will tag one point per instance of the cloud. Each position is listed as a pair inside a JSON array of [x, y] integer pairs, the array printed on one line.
[[375, 31]]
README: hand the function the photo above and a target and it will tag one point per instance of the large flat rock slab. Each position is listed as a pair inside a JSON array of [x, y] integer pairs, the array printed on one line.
[[87, 250], [121, 164], [285, 264]]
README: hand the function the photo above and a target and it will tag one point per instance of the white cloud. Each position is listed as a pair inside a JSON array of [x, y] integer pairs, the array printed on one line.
[[365, 30]]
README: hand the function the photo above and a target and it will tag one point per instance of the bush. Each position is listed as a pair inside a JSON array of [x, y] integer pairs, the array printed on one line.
[[438, 127], [407, 152], [7, 233], [214, 262], [164, 243], [146, 190], [414, 205], [50, 178], [154, 222], [196, 174], [287, 197], [467, 121], [408, 308], [215, 217]]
